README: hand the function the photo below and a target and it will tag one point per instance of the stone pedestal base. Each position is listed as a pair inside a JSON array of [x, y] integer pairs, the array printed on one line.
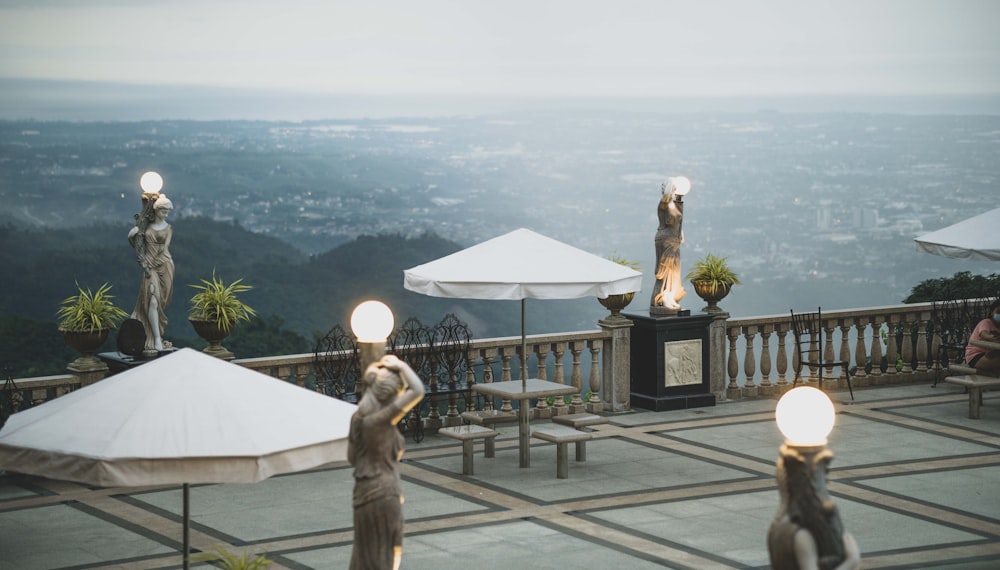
[[670, 362], [89, 369]]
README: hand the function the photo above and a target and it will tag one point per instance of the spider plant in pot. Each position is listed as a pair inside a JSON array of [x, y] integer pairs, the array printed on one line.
[[215, 309], [712, 280], [85, 319], [615, 303]]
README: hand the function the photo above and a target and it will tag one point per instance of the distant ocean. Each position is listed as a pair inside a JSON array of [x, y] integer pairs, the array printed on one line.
[[95, 101]]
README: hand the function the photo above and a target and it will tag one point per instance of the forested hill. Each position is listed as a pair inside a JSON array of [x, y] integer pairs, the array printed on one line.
[[310, 294]]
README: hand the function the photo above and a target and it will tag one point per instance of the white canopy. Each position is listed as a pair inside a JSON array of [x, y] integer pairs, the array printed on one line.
[[183, 418], [521, 264], [976, 238]]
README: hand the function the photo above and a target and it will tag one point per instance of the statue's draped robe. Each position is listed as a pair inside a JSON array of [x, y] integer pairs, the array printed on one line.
[[157, 281]]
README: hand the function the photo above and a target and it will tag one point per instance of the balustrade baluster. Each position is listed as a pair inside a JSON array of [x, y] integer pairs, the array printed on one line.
[[594, 403], [505, 357], [749, 363], [828, 328], [859, 350], [891, 348], [506, 353], [936, 351], [576, 403], [922, 345], [907, 345], [489, 357], [542, 357], [875, 352], [434, 415], [733, 389], [471, 358], [301, 372], [284, 372], [845, 350], [766, 388], [782, 330]]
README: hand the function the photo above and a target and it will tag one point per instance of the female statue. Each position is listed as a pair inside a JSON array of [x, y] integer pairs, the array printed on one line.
[[375, 447], [151, 239], [807, 533], [668, 290]]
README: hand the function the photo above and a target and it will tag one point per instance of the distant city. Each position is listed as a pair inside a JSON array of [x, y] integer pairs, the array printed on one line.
[[810, 208]]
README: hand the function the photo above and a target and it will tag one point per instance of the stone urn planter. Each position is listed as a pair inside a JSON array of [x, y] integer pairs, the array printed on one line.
[[213, 334], [711, 293], [712, 280], [215, 309], [86, 343], [615, 303]]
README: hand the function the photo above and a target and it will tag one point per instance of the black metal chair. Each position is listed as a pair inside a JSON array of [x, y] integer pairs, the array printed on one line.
[[807, 328]]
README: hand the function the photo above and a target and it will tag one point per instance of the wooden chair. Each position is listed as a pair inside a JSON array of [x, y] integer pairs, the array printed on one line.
[[808, 332]]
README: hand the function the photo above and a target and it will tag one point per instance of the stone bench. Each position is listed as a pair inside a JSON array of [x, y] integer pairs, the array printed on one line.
[[577, 421], [974, 383], [959, 369], [562, 436], [468, 434], [489, 418]]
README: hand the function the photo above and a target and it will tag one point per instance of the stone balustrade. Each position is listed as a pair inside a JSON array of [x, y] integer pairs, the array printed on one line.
[[890, 344]]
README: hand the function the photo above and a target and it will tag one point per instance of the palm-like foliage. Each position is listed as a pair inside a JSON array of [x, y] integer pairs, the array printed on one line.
[[89, 311], [216, 301], [621, 260], [714, 270], [231, 561]]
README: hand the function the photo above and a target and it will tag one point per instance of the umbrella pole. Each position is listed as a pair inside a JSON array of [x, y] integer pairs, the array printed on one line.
[[524, 433], [524, 351], [187, 519]]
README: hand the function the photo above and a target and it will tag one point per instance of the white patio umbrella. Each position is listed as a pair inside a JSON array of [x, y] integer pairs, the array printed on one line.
[[522, 264], [977, 238], [183, 418]]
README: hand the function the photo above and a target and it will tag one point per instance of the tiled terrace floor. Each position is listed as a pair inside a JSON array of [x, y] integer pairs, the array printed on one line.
[[917, 483]]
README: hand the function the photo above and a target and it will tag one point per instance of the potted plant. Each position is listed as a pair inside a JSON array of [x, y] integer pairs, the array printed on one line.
[[85, 319], [215, 308], [712, 280], [615, 303]]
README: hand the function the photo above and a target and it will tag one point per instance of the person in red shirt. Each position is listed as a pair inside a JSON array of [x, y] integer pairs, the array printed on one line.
[[988, 329]]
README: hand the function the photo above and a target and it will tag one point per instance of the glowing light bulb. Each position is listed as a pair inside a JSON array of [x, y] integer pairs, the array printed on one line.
[[805, 416], [681, 185], [372, 321], [151, 182]]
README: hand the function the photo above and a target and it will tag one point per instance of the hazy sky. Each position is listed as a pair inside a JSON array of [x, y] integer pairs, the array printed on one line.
[[514, 47]]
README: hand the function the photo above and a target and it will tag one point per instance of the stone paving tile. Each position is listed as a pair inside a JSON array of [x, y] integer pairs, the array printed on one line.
[[912, 476]]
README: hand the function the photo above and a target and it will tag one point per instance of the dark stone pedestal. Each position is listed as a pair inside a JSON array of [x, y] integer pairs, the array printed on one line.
[[670, 362]]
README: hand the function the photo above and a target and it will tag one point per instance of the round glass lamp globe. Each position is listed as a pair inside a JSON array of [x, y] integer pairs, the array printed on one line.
[[372, 321], [805, 416], [151, 182], [681, 185]]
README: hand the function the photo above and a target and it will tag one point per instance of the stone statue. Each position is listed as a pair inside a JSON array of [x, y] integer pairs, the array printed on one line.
[[151, 240], [807, 533], [669, 290], [375, 448]]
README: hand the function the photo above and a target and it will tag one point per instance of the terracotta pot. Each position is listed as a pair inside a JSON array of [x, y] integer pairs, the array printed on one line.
[[711, 294], [615, 303], [213, 334]]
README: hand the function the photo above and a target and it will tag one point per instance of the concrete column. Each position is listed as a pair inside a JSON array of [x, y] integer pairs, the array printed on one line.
[[617, 375], [717, 355], [89, 369]]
